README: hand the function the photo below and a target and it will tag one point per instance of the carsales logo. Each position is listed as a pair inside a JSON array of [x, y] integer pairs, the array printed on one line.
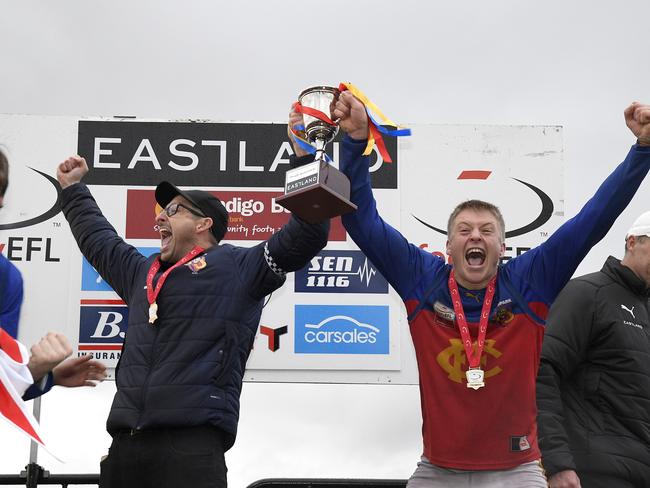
[[341, 329]]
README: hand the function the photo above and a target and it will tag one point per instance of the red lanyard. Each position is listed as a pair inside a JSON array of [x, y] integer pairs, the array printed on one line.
[[152, 294], [473, 359]]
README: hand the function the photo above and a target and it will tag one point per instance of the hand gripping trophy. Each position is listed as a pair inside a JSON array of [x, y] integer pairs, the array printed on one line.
[[317, 191]]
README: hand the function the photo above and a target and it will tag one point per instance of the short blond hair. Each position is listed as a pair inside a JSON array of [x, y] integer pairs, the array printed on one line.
[[480, 206]]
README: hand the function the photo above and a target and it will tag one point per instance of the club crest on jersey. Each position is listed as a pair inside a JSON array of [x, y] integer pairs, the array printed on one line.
[[443, 311], [197, 264], [453, 360], [503, 314]]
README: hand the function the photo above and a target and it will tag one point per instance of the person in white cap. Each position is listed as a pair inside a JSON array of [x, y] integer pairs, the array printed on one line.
[[593, 388]]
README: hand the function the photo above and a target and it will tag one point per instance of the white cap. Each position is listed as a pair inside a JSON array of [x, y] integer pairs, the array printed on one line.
[[641, 226]]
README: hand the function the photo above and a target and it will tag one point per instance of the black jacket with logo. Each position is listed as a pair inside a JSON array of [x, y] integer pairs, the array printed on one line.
[[593, 387], [187, 368]]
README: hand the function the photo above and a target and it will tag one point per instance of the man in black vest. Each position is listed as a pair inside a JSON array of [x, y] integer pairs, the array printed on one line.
[[593, 388], [194, 310]]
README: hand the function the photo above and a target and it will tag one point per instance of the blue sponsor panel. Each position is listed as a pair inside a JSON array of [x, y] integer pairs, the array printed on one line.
[[340, 271], [103, 325], [341, 329], [90, 279]]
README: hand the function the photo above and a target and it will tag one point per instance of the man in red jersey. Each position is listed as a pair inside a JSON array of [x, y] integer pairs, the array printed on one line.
[[479, 426]]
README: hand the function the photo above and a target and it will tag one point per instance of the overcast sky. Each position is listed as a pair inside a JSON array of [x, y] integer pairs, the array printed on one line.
[[577, 64]]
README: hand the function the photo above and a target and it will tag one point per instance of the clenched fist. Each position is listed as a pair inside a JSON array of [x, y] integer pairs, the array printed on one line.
[[637, 118], [352, 116], [71, 171], [48, 353]]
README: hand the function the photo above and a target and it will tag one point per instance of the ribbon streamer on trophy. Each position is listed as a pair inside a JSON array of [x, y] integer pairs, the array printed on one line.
[[376, 129], [317, 191]]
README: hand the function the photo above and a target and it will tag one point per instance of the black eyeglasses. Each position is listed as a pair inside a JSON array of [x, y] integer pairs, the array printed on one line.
[[172, 208]]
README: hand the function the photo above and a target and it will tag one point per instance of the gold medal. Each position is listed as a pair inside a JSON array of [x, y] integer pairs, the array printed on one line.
[[475, 378], [475, 375], [153, 312], [152, 293]]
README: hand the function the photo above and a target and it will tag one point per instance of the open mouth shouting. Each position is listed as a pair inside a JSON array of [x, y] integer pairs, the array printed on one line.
[[475, 256], [165, 238]]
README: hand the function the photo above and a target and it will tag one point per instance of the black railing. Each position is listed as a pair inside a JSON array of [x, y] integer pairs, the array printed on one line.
[[34, 475], [327, 483]]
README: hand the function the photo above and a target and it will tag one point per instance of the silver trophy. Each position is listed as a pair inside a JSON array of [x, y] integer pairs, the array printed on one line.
[[317, 191], [318, 132]]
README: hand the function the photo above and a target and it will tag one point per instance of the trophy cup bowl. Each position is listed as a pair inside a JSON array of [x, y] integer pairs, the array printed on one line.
[[320, 98], [317, 191]]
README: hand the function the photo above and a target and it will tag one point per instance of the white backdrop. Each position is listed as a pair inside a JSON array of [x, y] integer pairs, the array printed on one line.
[[575, 64]]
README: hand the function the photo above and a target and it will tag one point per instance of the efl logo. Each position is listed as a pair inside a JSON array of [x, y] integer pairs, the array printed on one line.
[[341, 329], [92, 281], [102, 327], [29, 249], [253, 215], [36, 216], [340, 271]]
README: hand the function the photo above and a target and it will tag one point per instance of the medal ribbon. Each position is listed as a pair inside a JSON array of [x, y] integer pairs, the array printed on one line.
[[473, 359], [152, 294], [376, 129]]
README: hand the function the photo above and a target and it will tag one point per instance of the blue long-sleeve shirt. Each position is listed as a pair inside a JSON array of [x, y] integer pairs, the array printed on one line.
[[494, 427]]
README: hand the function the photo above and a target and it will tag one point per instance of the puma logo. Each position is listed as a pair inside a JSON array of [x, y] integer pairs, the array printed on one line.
[[628, 310], [475, 296]]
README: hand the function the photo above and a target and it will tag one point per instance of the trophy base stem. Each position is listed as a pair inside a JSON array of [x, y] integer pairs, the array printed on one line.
[[316, 203]]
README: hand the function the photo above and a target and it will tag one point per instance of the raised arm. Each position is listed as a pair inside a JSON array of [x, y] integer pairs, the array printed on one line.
[[549, 266], [115, 260], [264, 266], [399, 261], [289, 249]]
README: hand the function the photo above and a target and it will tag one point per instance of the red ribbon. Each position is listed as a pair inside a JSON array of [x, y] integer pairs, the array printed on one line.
[[298, 107], [152, 294], [473, 359]]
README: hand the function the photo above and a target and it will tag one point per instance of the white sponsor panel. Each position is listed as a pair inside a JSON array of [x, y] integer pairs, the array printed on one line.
[[312, 329]]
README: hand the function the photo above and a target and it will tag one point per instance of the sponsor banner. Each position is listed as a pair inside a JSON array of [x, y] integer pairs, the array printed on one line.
[[200, 154], [30, 248], [340, 272], [515, 168], [91, 279], [102, 327], [341, 329], [253, 215], [518, 168], [33, 210]]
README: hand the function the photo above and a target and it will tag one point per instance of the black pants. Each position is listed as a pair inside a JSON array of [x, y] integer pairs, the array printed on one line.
[[165, 458]]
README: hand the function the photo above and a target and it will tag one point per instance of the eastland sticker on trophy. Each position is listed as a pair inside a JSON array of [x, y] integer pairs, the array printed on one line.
[[317, 191]]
